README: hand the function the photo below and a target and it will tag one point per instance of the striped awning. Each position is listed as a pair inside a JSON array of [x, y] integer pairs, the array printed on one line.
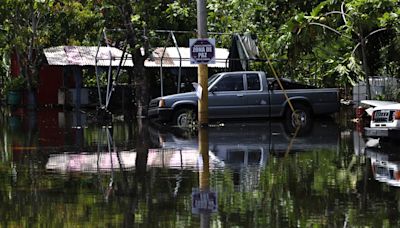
[[86, 56]]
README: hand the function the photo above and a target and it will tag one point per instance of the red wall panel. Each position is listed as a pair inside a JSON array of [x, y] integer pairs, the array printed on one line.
[[51, 78]]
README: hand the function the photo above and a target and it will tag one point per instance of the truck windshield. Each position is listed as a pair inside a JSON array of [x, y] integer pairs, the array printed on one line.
[[212, 79]]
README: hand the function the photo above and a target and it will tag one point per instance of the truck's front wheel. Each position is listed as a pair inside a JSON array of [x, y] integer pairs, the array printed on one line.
[[184, 117]]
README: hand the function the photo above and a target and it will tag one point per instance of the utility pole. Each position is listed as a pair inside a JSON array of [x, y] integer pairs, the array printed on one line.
[[202, 77]]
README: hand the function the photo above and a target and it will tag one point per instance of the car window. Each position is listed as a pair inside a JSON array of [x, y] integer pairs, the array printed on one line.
[[230, 83], [212, 79], [253, 82]]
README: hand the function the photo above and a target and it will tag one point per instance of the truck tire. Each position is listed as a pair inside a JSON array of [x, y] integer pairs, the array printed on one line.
[[184, 117], [300, 117]]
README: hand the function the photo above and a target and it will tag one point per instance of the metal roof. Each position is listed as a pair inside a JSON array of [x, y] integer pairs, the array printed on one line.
[[171, 58], [85, 56]]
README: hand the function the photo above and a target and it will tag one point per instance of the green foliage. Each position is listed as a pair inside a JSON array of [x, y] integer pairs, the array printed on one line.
[[14, 84], [341, 53], [28, 27], [286, 31], [313, 53]]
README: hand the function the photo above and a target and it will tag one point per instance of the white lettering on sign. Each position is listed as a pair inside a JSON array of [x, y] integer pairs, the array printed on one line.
[[202, 51], [204, 201], [202, 48], [198, 49], [202, 55]]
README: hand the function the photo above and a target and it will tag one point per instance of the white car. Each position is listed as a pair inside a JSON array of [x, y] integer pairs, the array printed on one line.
[[385, 119]]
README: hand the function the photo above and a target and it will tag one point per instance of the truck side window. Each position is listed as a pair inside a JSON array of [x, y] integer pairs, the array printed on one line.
[[230, 83], [253, 82]]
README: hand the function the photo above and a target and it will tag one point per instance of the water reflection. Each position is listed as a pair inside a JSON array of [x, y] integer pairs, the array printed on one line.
[[240, 144], [383, 157], [55, 171], [385, 165], [204, 200], [244, 148]]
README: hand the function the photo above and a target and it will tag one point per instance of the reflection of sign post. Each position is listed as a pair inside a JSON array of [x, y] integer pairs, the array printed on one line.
[[202, 51], [204, 201]]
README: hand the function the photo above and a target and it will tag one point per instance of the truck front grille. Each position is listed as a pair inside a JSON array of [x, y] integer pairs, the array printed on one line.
[[153, 104]]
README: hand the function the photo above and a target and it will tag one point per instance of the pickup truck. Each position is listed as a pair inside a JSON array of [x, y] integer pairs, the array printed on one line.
[[247, 94]]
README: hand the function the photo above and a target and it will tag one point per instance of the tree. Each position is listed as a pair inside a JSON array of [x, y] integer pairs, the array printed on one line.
[[140, 19], [314, 54], [359, 30], [31, 26]]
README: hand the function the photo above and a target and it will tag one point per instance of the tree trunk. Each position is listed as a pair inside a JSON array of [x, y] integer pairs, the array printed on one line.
[[365, 67], [135, 42], [142, 150], [142, 96]]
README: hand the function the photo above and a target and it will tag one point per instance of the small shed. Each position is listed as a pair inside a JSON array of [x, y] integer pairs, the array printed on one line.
[[61, 78]]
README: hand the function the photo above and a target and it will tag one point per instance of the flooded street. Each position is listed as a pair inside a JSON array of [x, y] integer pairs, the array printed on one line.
[[64, 169]]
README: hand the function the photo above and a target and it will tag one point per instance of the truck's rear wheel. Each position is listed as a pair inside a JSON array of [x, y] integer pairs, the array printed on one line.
[[300, 116], [184, 117]]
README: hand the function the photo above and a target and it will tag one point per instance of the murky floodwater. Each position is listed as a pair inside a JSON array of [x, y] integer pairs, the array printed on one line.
[[63, 169]]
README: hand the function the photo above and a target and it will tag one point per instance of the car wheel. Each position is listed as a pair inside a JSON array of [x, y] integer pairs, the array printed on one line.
[[184, 117], [300, 117]]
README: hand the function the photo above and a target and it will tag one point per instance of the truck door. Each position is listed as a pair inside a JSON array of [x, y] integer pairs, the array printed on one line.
[[277, 97], [226, 97], [256, 96]]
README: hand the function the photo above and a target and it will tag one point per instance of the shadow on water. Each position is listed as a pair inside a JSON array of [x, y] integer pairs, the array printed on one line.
[[65, 168]]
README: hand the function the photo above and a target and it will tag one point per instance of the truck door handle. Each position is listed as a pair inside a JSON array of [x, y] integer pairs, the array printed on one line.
[[239, 95]]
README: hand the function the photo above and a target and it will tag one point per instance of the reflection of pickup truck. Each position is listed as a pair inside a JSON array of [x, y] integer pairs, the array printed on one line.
[[247, 94], [251, 142]]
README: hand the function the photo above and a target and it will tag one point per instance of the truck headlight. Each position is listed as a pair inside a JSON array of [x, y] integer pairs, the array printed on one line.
[[161, 103]]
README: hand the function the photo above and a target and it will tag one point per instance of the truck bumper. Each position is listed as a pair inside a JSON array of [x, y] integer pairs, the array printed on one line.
[[161, 114], [382, 132]]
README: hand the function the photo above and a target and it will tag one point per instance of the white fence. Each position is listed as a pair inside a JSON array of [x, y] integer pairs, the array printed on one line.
[[379, 86]]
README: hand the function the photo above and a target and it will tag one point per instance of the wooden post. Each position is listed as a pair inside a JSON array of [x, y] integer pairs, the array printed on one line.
[[202, 68], [204, 173]]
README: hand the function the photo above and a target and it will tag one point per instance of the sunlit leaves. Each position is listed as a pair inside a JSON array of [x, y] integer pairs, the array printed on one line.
[[135, 18], [340, 34], [176, 11], [389, 18]]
